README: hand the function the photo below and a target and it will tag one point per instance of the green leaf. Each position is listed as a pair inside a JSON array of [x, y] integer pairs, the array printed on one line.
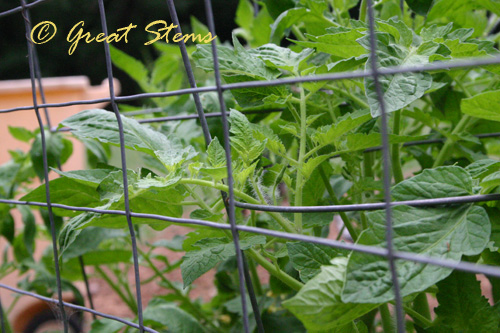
[[21, 134], [315, 23], [244, 14], [446, 233], [456, 8], [441, 182], [490, 182], [162, 315], [307, 258], [342, 65], [8, 174], [328, 134], [242, 139], [273, 141], [312, 164], [102, 125], [240, 65], [211, 252], [59, 150], [318, 304], [91, 177], [341, 44], [77, 242], [281, 57], [174, 157], [484, 106], [133, 67], [237, 61], [66, 191], [420, 7], [361, 141], [7, 227], [107, 257], [462, 308], [106, 325], [216, 154], [29, 232], [482, 168], [403, 88], [174, 244]]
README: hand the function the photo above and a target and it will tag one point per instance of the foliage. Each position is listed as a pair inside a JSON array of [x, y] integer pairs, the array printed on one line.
[[311, 151]]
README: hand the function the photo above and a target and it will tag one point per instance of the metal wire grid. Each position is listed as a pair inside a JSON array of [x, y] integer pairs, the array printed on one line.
[[231, 203]]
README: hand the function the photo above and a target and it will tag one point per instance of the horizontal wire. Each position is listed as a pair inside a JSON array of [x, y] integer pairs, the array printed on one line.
[[20, 8], [463, 266], [439, 65], [76, 307], [372, 206], [181, 117]]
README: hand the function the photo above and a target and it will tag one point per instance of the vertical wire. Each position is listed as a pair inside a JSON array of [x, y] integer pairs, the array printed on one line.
[[387, 167], [87, 286], [27, 24], [2, 318], [208, 139], [124, 168], [38, 74], [230, 183], [189, 72], [251, 294]]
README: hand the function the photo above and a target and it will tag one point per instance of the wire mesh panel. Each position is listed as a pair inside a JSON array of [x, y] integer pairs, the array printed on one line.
[[375, 73]]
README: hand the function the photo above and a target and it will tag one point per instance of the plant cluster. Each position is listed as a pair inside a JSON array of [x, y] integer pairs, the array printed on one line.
[[317, 147]]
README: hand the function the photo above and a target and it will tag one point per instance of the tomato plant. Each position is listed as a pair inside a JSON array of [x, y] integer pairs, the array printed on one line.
[[317, 146]]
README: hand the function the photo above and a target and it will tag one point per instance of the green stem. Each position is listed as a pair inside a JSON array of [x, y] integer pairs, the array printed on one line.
[[396, 159], [199, 200], [421, 305], [363, 11], [368, 164], [418, 318], [349, 95], [275, 271], [255, 278], [443, 154], [176, 291], [257, 189], [302, 152], [387, 323], [130, 303], [298, 33], [285, 224], [343, 215]]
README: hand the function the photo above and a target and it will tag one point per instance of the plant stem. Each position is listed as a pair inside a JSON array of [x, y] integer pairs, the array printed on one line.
[[418, 318], [298, 33], [387, 323], [275, 271], [363, 11], [343, 215], [255, 278], [396, 159], [179, 294], [443, 153], [302, 152], [199, 200], [130, 303], [285, 224], [347, 94], [421, 305]]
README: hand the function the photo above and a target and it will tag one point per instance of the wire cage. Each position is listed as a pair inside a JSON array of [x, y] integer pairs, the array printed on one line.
[[245, 285]]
